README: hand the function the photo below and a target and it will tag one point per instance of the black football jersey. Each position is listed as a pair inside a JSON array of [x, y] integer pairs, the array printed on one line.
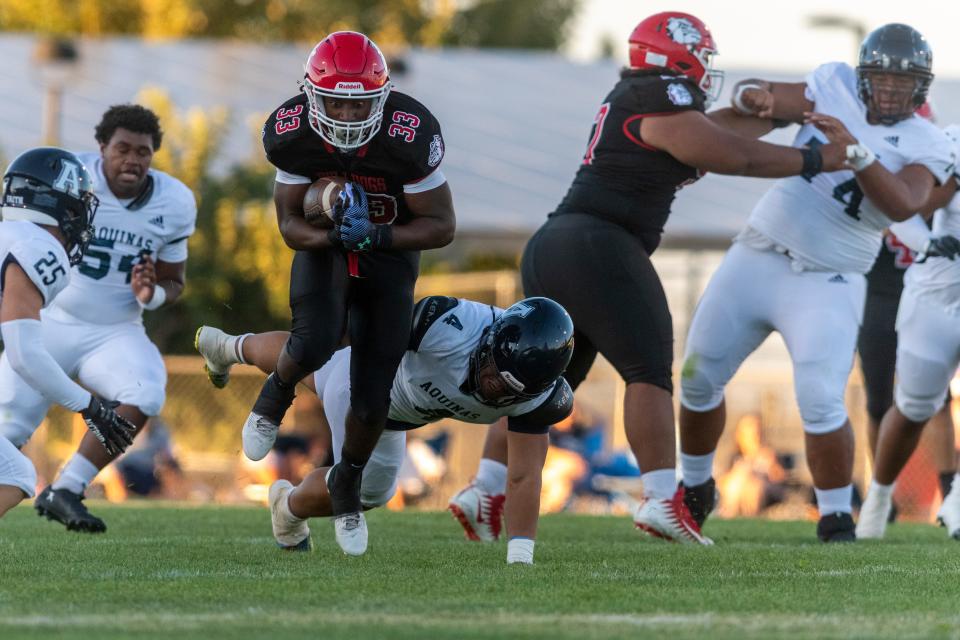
[[621, 179], [886, 276], [407, 148]]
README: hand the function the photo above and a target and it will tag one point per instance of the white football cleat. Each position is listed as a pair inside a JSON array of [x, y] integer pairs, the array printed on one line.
[[217, 349], [351, 532], [874, 514], [291, 535], [669, 519], [949, 514], [480, 513], [258, 436]]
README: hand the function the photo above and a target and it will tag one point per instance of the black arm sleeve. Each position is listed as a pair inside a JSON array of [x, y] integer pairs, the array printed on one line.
[[555, 408], [425, 314]]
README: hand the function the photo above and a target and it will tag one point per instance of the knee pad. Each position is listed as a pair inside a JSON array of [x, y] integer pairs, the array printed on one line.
[[148, 399], [373, 497], [698, 392], [308, 352], [820, 396], [16, 470], [380, 476], [921, 385]]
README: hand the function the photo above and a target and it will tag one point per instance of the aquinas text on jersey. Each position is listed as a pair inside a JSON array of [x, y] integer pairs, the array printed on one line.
[[123, 236], [457, 410]]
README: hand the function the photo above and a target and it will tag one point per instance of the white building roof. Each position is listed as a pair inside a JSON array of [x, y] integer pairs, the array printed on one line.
[[515, 123]]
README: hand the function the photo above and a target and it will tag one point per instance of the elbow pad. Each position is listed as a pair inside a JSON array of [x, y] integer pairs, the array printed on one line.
[[23, 344]]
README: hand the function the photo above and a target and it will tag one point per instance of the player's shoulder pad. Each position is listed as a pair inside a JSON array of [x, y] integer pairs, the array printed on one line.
[[831, 77], [425, 313], [412, 132], [45, 262], [557, 406], [659, 94], [285, 126]]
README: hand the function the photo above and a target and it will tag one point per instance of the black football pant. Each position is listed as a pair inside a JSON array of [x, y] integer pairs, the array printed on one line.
[[375, 310], [603, 276]]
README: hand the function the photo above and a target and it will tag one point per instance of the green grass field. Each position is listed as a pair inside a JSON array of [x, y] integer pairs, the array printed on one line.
[[214, 573]]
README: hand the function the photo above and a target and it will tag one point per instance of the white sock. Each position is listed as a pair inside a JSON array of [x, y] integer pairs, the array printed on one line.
[[882, 491], [696, 469], [491, 477], [238, 347], [286, 513], [660, 484], [834, 500], [76, 475]]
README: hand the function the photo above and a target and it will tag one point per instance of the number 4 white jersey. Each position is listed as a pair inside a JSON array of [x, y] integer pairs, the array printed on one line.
[[826, 223], [429, 382], [158, 222], [38, 253]]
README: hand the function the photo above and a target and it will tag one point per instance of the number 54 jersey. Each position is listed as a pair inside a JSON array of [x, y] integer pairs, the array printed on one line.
[[156, 223], [827, 224]]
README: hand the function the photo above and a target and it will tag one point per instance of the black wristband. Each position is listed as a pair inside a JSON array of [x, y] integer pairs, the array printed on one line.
[[780, 124], [812, 163], [334, 237], [382, 237]]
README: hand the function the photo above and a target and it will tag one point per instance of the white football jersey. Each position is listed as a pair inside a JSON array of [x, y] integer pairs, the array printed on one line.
[[158, 224], [827, 223], [428, 383], [939, 278], [39, 254]]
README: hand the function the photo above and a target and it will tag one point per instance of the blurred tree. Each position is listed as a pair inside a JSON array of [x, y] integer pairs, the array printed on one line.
[[539, 24], [527, 24]]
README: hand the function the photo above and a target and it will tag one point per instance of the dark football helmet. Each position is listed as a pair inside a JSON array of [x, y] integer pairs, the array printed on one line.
[[897, 50], [530, 345], [51, 186]]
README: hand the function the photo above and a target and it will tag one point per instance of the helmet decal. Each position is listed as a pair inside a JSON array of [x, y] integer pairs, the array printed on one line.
[[682, 31]]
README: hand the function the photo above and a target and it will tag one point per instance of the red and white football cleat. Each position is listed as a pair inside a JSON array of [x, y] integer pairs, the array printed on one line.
[[480, 513], [669, 519]]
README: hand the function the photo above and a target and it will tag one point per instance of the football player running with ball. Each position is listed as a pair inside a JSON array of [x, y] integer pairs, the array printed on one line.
[[650, 137], [466, 361], [804, 252], [94, 329], [48, 206], [358, 277]]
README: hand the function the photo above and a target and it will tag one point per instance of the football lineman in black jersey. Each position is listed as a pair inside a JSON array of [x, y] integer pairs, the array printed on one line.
[[650, 136], [357, 278]]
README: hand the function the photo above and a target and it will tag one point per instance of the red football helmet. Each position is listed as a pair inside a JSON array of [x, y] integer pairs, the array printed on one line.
[[347, 65], [926, 111], [678, 42]]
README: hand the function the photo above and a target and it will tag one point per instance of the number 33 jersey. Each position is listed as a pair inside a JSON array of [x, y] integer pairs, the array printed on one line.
[[157, 222], [827, 223], [403, 156], [38, 253]]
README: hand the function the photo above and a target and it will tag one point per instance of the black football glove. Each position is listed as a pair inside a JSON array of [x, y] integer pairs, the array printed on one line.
[[361, 235], [943, 247], [113, 431]]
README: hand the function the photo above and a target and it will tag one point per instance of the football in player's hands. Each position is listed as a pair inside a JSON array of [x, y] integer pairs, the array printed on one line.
[[319, 200]]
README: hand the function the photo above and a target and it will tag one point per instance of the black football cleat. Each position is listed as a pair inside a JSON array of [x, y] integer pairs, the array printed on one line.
[[836, 527], [68, 509], [701, 500]]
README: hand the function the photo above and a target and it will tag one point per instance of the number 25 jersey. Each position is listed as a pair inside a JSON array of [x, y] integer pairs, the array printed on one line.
[[827, 223]]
